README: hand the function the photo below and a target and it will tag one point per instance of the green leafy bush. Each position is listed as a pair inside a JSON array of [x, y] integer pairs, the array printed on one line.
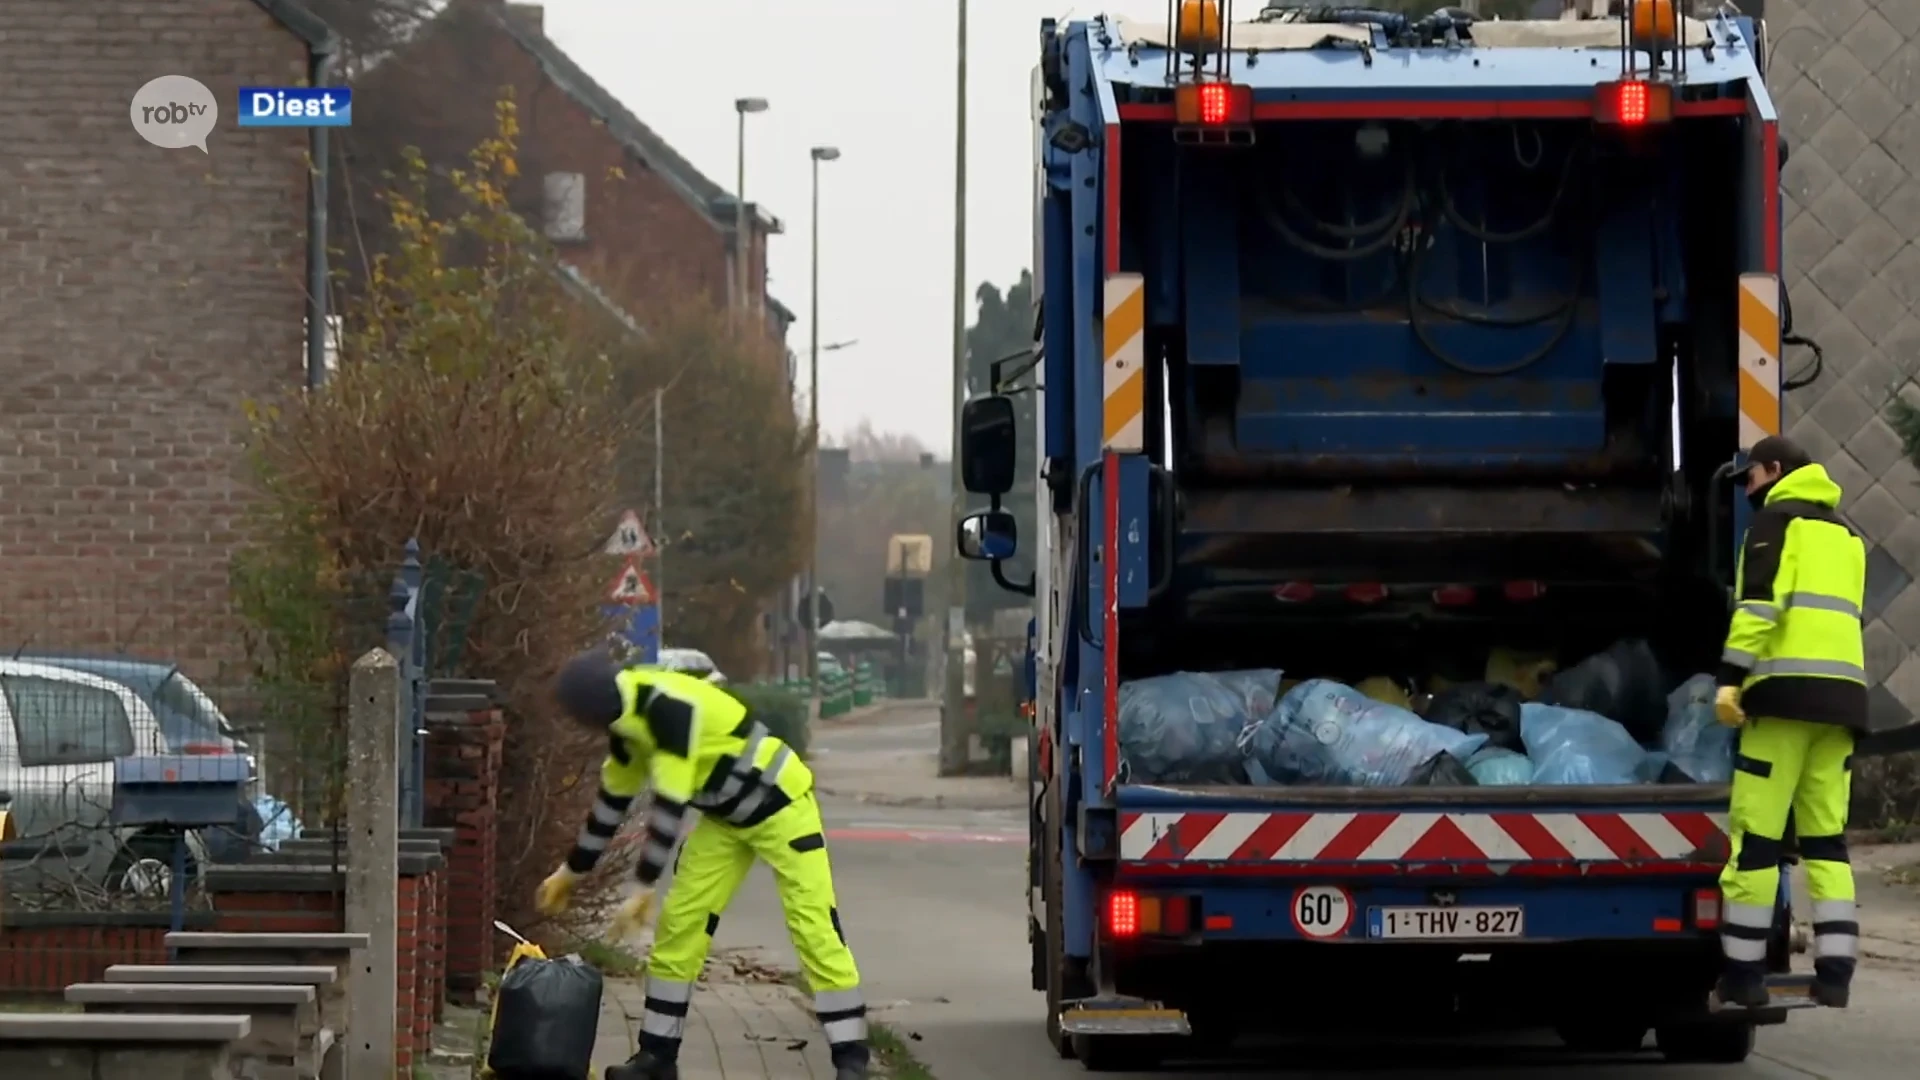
[[783, 711]]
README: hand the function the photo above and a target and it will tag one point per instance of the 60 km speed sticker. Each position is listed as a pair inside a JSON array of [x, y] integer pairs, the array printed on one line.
[[1322, 911]]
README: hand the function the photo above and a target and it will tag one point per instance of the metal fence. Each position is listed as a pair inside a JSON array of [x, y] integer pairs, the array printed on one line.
[[98, 667]]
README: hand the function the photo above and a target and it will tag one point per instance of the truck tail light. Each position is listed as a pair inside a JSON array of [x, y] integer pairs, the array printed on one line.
[[1706, 909], [1633, 103], [1212, 104], [1368, 593], [1294, 592], [1132, 914], [1522, 591]]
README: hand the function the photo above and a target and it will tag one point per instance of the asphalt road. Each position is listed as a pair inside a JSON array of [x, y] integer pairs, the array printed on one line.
[[934, 902]]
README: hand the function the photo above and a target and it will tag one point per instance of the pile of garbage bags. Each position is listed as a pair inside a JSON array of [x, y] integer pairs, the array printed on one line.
[[1610, 719]]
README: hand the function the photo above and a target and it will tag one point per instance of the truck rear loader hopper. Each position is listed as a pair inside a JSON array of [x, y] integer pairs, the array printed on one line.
[[1365, 336]]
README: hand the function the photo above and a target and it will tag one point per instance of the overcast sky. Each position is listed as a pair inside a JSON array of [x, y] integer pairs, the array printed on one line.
[[876, 79]]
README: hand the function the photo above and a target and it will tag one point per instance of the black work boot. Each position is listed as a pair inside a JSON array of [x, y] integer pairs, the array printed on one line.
[[1832, 981], [1743, 987], [644, 1066], [850, 1061]]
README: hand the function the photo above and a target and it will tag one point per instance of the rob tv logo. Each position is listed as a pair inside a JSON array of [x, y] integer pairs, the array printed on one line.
[[296, 106]]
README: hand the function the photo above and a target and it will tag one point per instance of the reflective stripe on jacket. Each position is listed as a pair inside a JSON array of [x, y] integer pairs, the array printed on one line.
[[1794, 643]]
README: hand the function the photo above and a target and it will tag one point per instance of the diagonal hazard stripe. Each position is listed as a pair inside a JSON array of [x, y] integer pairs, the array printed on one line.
[[1125, 320], [1759, 404]]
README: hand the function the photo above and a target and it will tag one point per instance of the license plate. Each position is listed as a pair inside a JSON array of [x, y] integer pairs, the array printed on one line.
[[1446, 923]]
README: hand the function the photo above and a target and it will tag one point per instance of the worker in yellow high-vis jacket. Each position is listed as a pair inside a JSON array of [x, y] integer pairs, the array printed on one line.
[[699, 747], [1793, 680]]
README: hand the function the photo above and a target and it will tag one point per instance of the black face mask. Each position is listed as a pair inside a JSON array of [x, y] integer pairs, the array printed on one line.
[[1758, 497]]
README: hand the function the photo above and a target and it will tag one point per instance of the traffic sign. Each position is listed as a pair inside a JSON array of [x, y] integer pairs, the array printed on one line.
[[801, 609], [630, 537], [630, 586]]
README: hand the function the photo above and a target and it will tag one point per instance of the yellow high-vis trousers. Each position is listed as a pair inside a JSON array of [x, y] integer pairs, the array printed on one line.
[[714, 861], [1804, 769]]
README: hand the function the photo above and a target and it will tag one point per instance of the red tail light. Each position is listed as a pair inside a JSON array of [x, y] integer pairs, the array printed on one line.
[[1706, 909], [1294, 592], [1521, 591], [1453, 595], [201, 749], [1370, 593], [1212, 104], [1631, 103], [1123, 914]]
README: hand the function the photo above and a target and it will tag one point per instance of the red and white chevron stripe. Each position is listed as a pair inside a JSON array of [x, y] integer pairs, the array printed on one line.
[[1393, 842]]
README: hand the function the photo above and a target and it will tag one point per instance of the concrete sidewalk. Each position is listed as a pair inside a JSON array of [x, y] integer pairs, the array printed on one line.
[[735, 1031]]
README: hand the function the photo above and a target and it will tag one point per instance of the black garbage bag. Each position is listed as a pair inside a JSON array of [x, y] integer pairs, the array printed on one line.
[[1442, 770], [1481, 708], [1625, 684], [546, 1015]]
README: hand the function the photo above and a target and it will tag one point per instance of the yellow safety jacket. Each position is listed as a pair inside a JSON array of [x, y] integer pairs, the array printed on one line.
[[1794, 643], [697, 746]]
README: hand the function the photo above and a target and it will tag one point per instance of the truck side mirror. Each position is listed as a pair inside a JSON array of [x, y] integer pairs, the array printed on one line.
[[989, 536], [987, 445]]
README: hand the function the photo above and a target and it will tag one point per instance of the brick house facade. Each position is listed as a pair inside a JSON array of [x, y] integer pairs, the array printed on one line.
[[620, 204], [147, 293]]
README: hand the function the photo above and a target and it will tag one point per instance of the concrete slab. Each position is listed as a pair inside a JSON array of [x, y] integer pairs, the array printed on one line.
[[87, 1028], [208, 939], [287, 974]]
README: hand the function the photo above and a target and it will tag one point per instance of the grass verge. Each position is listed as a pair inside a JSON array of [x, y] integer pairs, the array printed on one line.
[[614, 961], [893, 1053], [1908, 875]]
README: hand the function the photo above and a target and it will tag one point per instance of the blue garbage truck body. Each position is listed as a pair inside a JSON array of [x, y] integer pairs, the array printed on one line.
[[1364, 340]]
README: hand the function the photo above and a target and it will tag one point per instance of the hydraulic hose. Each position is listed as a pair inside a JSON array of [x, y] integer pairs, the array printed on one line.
[[1565, 312], [1383, 230]]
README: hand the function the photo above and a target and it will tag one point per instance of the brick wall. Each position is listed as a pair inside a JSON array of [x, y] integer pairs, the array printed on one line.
[[300, 894], [45, 952], [462, 785], [646, 244], [148, 292]]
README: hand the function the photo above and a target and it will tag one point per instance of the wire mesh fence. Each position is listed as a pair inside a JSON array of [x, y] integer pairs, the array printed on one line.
[[99, 672]]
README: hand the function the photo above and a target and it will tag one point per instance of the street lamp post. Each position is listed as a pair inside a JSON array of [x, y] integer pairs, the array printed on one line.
[[743, 239], [820, 154], [953, 732]]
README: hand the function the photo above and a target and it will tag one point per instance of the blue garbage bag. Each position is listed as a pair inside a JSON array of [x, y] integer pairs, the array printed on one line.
[[1571, 746], [1695, 740], [1496, 766], [278, 822], [1322, 732], [1185, 728]]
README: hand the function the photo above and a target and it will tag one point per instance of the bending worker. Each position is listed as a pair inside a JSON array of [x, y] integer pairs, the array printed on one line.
[[1793, 680], [698, 747]]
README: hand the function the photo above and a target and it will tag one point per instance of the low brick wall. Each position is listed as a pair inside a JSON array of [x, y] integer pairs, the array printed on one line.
[[301, 893], [465, 736], [44, 952]]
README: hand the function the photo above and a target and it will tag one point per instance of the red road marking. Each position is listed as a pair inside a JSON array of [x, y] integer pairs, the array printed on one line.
[[936, 835]]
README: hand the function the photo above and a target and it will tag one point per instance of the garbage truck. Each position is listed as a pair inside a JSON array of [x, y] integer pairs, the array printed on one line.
[[1370, 340]]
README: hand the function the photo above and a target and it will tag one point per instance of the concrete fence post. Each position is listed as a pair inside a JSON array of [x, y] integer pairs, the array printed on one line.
[[375, 717]]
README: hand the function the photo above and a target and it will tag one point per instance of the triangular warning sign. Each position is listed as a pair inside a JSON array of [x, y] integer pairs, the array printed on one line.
[[631, 586], [630, 537]]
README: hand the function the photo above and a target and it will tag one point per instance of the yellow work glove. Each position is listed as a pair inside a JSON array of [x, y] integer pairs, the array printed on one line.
[[632, 914], [1726, 706], [556, 892]]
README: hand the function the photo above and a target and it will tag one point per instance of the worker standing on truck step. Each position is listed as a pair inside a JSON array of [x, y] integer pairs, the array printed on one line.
[[699, 747], [1793, 680]]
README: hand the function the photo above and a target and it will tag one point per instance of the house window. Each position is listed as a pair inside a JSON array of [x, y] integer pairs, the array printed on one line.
[[565, 215]]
